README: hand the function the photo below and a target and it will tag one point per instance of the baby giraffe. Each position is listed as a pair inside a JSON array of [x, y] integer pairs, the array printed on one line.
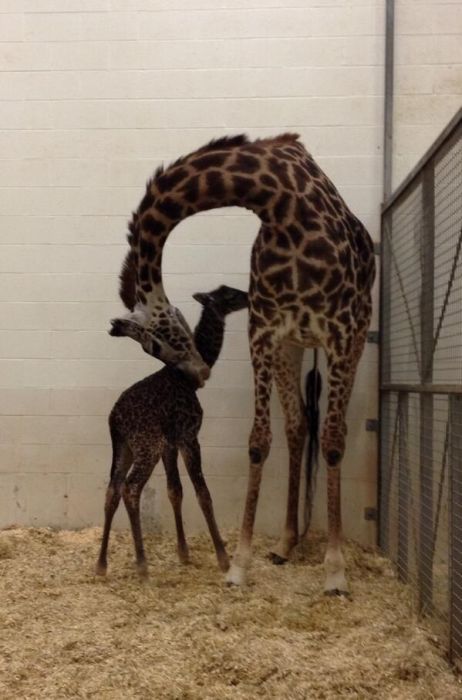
[[154, 419]]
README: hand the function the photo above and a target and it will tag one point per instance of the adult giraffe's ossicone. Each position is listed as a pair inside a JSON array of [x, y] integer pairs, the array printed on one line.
[[312, 269]]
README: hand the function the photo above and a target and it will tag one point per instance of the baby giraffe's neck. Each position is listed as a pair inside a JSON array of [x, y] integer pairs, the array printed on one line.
[[208, 335]]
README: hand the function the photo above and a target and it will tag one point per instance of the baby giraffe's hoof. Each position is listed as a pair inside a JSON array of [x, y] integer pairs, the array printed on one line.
[[336, 592], [223, 563], [143, 571], [100, 569], [276, 559]]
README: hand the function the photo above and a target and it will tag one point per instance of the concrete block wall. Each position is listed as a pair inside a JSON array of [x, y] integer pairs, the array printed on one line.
[[95, 94], [428, 76]]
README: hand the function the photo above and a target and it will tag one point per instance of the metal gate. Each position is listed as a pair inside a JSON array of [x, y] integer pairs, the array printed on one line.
[[421, 383]]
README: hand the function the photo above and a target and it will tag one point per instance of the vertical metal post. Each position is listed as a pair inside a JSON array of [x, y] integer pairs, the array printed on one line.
[[388, 107], [426, 400], [385, 419], [455, 528], [403, 486]]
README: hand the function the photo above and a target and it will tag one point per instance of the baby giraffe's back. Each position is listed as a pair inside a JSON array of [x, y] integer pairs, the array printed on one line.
[[162, 408]]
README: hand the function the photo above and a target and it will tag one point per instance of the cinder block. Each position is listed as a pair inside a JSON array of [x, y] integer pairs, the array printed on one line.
[[12, 25]]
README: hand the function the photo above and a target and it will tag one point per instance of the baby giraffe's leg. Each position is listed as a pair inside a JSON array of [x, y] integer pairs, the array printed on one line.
[[175, 494], [192, 458], [131, 492], [121, 461]]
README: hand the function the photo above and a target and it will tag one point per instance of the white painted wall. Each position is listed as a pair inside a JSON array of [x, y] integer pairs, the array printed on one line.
[[428, 76], [96, 93]]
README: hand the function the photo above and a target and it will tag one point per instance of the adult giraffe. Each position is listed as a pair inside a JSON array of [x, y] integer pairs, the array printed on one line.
[[312, 269]]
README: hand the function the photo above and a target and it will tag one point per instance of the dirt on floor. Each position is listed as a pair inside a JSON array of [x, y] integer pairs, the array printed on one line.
[[184, 635]]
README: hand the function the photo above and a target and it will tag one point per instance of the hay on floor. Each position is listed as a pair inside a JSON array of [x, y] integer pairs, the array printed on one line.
[[183, 635]]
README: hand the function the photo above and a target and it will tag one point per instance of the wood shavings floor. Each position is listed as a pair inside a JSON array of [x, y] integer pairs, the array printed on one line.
[[183, 635]]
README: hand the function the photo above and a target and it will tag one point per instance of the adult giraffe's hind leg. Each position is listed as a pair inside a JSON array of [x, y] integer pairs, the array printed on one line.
[[341, 374], [287, 364]]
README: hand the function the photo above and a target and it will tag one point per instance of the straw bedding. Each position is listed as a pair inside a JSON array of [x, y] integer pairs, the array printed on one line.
[[183, 635]]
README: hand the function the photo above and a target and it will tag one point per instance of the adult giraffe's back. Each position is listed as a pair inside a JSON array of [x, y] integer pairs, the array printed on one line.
[[312, 270]]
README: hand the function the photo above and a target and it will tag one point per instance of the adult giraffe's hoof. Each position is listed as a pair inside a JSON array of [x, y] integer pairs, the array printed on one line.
[[337, 593], [277, 559], [235, 576]]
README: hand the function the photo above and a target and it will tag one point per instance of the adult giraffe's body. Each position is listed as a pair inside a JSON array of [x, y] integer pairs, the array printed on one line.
[[312, 269]]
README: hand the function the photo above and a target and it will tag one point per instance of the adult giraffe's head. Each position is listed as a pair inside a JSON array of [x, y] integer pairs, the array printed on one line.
[[160, 329]]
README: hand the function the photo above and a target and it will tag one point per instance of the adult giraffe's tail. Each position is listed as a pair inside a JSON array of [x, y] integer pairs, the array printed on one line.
[[313, 387]]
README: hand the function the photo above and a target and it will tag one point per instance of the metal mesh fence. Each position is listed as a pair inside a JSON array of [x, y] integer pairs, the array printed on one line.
[[421, 384]]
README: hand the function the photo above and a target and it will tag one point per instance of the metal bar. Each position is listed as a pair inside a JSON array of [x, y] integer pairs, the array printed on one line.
[[436, 146], [455, 528], [451, 389], [384, 470], [389, 92], [427, 245], [403, 487]]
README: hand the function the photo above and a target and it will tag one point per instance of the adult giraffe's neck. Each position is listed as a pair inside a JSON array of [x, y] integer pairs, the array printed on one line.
[[231, 172]]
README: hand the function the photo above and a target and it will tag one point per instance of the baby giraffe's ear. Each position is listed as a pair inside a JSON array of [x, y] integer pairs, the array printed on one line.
[[202, 297]]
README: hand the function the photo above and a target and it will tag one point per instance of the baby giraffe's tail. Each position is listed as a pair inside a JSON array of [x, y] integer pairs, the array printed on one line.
[[313, 387]]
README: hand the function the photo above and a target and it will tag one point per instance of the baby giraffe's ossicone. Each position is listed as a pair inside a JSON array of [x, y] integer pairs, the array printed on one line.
[[157, 417]]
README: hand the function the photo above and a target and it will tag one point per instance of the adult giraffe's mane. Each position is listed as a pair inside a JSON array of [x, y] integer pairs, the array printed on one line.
[[127, 276]]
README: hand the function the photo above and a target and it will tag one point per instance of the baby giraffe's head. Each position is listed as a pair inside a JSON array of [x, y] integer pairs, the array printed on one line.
[[223, 300]]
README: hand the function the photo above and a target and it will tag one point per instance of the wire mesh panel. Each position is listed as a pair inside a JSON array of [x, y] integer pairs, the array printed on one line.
[[421, 384]]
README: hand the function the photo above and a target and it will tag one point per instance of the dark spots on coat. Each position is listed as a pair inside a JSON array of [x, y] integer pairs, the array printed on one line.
[[268, 181], [321, 249], [155, 275], [296, 235], [309, 274], [270, 257], [281, 280], [335, 337], [242, 186], [170, 179], [287, 297], [312, 168], [215, 184], [300, 178], [282, 240], [315, 301], [140, 297], [146, 202], [262, 197], [279, 170], [171, 209], [147, 249], [306, 215], [152, 225], [144, 273], [344, 318], [245, 163], [334, 281], [282, 206], [146, 288], [190, 189], [210, 160], [347, 296]]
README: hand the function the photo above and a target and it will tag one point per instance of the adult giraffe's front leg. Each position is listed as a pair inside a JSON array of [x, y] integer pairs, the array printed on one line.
[[262, 352], [287, 365], [341, 374]]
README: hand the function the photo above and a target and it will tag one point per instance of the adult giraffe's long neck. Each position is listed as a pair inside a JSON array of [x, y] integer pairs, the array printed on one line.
[[228, 172]]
